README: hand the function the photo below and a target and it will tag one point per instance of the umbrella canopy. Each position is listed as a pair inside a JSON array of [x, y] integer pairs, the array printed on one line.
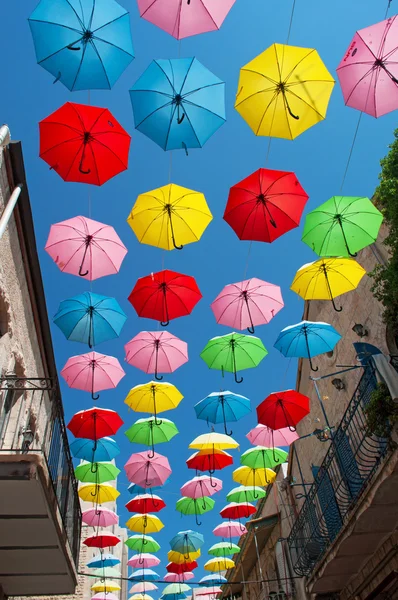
[[106, 586], [213, 441], [165, 296], [90, 318], [144, 523], [224, 549], [103, 560], [100, 517], [143, 561], [307, 339], [144, 575], [105, 596], [248, 476], [169, 217], [150, 432], [94, 423], [87, 248], [92, 372], [262, 435], [183, 19], [219, 564], [145, 503], [229, 529], [156, 351], [212, 591], [173, 596], [220, 407], [213, 580], [193, 506], [141, 596], [84, 144], [143, 586], [265, 205], [85, 45], [368, 73], [96, 451], [342, 226], [176, 588], [247, 303], [98, 494], [233, 352], [284, 91], [210, 460], [186, 567], [105, 540], [142, 543], [327, 278], [201, 486], [96, 472], [105, 572], [187, 541], [181, 558], [283, 409], [147, 471], [243, 493], [176, 577], [263, 458], [153, 397], [178, 103], [238, 510]]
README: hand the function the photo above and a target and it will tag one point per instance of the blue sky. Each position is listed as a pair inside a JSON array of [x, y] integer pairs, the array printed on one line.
[[318, 157]]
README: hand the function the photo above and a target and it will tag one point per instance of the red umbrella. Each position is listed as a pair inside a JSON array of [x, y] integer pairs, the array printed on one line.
[[102, 541], [235, 510], [145, 503], [84, 143], [164, 296], [209, 460], [265, 205], [283, 409], [182, 568], [94, 423]]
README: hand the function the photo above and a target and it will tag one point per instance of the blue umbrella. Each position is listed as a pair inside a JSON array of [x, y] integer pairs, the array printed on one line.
[[144, 575], [220, 407], [134, 489], [90, 318], [105, 449], [103, 560], [307, 339], [179, 596], [86, 44], [178, 103], [213, 580], [187, 541]]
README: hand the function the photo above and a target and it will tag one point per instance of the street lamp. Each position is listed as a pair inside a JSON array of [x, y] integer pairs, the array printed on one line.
[[360, 330], [27, 439], [338, 384]]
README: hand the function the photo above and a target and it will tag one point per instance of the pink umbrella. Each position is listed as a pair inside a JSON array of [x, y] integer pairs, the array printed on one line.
[[368, 73], [178, 577], [143, 561], [208, 591], [143, 586], [147, 472], [104, 596], [197, 487], [99, 517], [154, 351], [230, 529], [262, 435], [184, 18], [92, 372], [247, 303], [84, 247]]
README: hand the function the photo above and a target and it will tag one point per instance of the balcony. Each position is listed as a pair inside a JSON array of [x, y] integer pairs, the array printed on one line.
[[40, 517], [351, 506]]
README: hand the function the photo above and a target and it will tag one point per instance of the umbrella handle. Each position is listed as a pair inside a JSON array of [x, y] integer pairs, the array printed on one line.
[[183, 144], [335, 307], [71, 47], [312, 368], [95, 465], [238, 380], [180, 119], [250, 329], [151, 454], [96, 396], [82, 274], [199, 523], [164, 323], [226, 431], [84, 172], [158, 377]]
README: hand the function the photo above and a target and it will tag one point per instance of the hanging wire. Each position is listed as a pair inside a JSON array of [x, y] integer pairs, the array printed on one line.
[[387, 9], [351, 151], [291, 22]]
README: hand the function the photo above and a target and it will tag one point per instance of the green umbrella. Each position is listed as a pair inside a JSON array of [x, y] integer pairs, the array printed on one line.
[[193, 506], [342, 226], [151, 431], [99, 472], [176, 588], [263, 458], [107, 572], [242, 493], [233, 352], [142, 543], [224, 549]]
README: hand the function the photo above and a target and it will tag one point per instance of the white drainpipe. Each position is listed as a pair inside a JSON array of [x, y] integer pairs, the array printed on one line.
[[5, 138]]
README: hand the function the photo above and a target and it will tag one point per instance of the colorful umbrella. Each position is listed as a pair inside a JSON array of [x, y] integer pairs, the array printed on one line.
[[176, 588], [193, 506], [284, 91], [265, 205], [105, 572], [201, 486], [238, 510], [156, 351], [210, 460], [307, 339], [224, 549], [247, 303], [103, 560], [143, 586], [101, 450], [245, 494], [248, 476], [142, 543], [106, 586], [186, 567], [94, 423], [170, 216], [144, 561], [90, 318], [87, 248], [263, 458], [137, 489], [165, 296], [150, 432], [219, 564], [83, 44], [84, 144], [105, 540], [212, 591], [283, 409], [213, 441], [265, 436], [153, 397], [368, 73], [180, 558], [100, 517], [213, 580], [173, 596], [233, 352], [144, 575], [187, 541], [92, 372], [147, 472], [229, 529], [220, 407], [178, 103], [145, 503], [144, 523], [96, 472], [342, 226], [141, 596], [105, 596], [327, 278], [98, 494], [176, 577]]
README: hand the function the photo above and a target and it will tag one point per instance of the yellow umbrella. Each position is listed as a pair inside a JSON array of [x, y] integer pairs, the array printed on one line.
[[179, 559], [106, 586], [169, 216], [144, 523], [327, 278], [219, 564], [253, 477], [213, 441], [284, 91], [153, 397], [98, 493]]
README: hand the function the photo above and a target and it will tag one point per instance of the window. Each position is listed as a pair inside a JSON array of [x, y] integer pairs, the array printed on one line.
[[4, 316]]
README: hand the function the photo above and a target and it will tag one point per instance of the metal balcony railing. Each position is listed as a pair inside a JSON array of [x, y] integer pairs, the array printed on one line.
[[352, 460], [32, 421]]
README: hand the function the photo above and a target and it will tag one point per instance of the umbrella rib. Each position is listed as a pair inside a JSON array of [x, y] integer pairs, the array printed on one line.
[[203, 87], [154, 111], [185, 76], [102, 64], [173, 112], [57, 25], [305, 102], [193, 129], [81, 21], [167, 77], [205, 109], [273, 100], [61, 143], [77, 75], [110, 150]]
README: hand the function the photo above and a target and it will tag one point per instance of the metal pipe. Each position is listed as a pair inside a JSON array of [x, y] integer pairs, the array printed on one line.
[[5, 135], [8, 210], [322, 407]]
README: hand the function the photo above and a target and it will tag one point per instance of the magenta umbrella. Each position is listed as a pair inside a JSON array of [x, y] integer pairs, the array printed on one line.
[[92, 372], [143, 561], [368, 73], [84, 247], [183, 18], [261, 435], [147, 472], [247, 303], [156, 351], [200, 486], [230, 529], [178, 577], [142, 586], [99, 517]]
